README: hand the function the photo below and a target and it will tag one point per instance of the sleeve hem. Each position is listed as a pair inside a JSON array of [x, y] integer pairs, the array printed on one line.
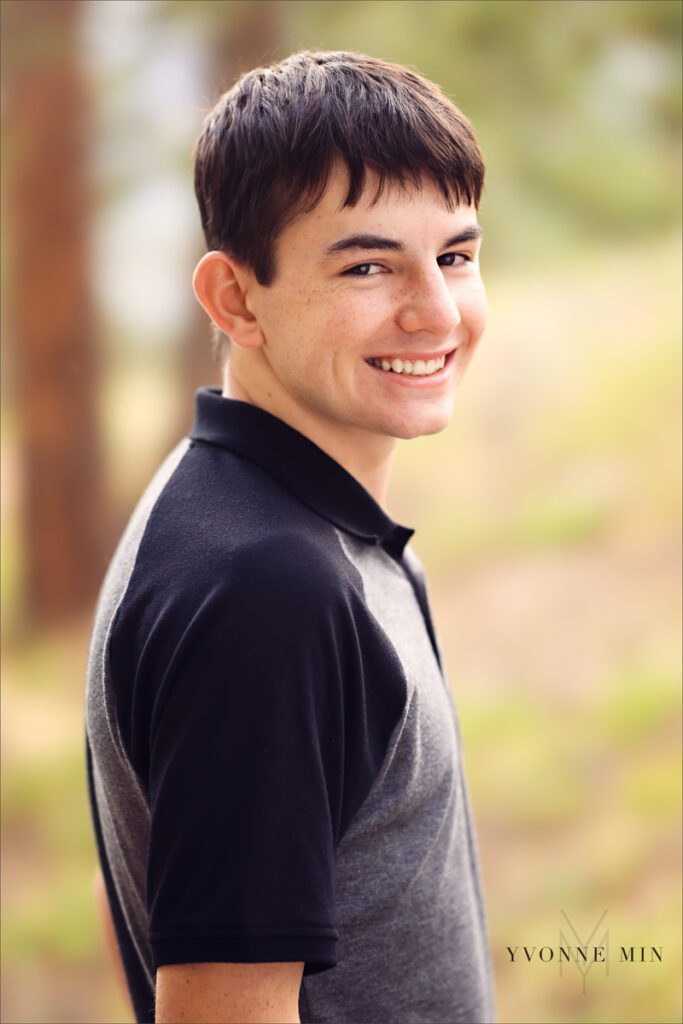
[[317, 952]]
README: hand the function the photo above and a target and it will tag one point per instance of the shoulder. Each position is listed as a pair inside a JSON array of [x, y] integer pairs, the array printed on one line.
[[291, 564], [284, 594], [226, 523], [221, 530]]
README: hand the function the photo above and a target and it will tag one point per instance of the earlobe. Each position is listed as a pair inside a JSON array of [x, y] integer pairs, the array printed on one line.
[[220, 287]]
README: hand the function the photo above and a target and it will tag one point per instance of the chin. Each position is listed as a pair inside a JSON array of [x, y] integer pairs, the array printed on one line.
[[421, 425]]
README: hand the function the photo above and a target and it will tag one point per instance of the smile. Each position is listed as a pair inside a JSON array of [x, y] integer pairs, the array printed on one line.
[[411, 367]]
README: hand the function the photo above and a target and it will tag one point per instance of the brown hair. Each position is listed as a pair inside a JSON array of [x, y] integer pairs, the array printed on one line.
[[267, 148]]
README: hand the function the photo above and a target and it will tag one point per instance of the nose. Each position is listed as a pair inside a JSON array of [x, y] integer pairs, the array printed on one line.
[[429, 306]]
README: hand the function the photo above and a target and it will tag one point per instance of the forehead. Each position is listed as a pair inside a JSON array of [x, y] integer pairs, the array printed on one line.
[[407, 213]]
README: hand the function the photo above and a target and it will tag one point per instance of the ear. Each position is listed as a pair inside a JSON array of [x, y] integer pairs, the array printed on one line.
[[220, 285]]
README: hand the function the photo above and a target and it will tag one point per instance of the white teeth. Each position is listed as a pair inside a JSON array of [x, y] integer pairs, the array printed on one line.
[[416, 368]]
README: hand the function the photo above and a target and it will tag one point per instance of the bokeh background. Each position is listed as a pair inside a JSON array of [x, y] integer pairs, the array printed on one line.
[[547, 515]]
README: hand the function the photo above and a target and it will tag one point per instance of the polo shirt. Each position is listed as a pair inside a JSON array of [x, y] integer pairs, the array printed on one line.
[[273, 754]]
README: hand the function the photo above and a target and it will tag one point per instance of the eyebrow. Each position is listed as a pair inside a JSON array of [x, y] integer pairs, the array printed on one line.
[[370, 242]]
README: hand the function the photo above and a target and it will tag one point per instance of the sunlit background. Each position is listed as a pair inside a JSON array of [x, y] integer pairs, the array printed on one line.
[[547, 515]]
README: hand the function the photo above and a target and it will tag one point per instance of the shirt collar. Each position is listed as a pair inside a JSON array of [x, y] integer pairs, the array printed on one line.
[[298, 464]]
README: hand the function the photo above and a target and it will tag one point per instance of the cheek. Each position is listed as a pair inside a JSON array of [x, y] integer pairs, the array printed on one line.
[[293, 321], [473, 305], [314, 317], [353, 318]]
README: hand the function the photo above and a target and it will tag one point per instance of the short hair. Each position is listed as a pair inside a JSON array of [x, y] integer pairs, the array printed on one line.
[[267, 148]]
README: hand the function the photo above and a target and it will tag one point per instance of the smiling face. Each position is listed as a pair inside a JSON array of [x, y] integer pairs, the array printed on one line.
[[372, 318]]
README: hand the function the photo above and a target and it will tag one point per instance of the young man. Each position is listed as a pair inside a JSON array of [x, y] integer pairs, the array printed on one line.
[[274, 759]]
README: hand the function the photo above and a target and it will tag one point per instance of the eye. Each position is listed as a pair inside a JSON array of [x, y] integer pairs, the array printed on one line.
[[450, 257], [362, 270]]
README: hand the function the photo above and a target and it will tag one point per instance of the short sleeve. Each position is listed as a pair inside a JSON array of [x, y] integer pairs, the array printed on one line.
[[246, 770]]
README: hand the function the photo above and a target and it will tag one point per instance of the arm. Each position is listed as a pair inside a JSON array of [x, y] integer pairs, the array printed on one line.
[[227, 993], [109, 934]]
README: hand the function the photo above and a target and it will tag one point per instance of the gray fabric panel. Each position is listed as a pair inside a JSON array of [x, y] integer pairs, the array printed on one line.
[[122, 806], [416, 567], [412, 936]]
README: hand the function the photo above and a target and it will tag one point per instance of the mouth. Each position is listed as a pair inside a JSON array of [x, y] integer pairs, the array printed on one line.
[[414, 370]]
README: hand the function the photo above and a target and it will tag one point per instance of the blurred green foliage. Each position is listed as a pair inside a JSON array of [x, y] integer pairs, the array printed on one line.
[[577, 105]]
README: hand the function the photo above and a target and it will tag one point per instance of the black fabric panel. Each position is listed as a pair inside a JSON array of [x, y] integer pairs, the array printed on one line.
[[270, 699]]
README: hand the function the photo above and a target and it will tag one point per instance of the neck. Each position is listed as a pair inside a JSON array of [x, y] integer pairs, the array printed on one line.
[[367, 457]]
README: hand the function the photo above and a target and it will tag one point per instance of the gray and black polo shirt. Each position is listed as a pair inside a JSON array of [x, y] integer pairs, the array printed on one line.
[[274, 763]]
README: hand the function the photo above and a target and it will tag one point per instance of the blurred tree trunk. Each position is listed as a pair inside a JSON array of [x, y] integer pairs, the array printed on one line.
[[53, 355], [247, 38]]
